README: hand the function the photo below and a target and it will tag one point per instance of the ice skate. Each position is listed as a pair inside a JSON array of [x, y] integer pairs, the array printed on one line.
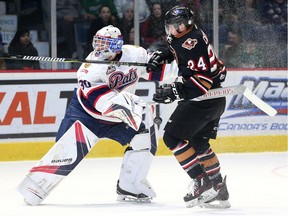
[[221, 201], [126, 196], [201, 191]]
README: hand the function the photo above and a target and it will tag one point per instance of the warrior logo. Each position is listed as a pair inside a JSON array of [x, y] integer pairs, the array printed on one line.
[[189, 43]]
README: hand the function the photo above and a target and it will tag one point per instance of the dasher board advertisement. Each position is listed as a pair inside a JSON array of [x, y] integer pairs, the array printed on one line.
[[32, 105]]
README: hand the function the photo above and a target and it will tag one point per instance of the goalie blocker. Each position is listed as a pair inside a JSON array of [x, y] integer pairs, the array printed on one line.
[[75, 144]]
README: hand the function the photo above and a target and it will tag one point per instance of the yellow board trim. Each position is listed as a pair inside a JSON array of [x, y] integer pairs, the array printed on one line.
[[108, 148]]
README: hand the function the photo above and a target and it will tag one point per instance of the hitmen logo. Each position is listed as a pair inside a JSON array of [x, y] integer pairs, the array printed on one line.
[[189, 43], [272, 91]]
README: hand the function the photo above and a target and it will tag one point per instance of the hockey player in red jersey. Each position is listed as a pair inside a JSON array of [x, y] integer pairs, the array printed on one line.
[[193, 123]]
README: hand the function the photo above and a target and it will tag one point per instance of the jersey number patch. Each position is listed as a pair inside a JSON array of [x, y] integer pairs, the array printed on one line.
[[199, 66]]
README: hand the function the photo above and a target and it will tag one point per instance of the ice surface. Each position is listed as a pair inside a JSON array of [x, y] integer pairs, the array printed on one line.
[[258, 185]]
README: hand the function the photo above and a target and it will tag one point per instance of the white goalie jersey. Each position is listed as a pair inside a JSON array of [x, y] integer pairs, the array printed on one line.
[[101, 82]]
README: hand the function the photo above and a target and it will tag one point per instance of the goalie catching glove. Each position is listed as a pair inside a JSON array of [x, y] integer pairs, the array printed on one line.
[[167, 93], [125, 106]]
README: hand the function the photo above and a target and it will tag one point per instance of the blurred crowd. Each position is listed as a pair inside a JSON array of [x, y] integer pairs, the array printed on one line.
[[252, 33]]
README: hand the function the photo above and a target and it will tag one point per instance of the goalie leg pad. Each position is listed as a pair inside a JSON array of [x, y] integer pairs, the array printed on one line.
[[134, 170], [33, 194], [141, 141], [137, 161], [57, 163], [147, 139]]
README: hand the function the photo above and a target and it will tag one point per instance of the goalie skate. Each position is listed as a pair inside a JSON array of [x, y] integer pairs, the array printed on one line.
[[221, 200], [125, 196]]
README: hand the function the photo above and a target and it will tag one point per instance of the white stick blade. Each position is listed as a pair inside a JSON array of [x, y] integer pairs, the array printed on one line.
[[259, 103]]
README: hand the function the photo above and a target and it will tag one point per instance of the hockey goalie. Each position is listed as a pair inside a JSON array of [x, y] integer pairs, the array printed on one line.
[[103, 106]]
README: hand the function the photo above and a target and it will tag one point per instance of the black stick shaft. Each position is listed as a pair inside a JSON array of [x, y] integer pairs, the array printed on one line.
[[55, 59]]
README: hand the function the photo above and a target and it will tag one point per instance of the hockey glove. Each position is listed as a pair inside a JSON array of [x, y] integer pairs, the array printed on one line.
[[155, 62], [166, 94]]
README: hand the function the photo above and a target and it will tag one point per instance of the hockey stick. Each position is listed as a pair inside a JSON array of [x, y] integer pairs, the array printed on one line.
[[232, 90], [4, 55], [214, 93], [237, 90]]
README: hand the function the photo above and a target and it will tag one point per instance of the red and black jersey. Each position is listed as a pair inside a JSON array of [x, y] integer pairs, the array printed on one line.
[[197, 63]]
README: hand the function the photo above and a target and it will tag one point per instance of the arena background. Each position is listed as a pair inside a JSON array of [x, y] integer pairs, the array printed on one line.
[[33, 103]]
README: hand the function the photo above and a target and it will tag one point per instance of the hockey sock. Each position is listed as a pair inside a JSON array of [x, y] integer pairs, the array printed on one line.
[[187, 158], [211, 165]]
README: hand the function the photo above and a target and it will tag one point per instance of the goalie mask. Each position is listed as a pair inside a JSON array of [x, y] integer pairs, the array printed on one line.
[[176, 16], [107, 42]]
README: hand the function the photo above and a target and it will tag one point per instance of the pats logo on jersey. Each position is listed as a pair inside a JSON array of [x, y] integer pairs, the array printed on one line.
[[189, 43], [119, 80]]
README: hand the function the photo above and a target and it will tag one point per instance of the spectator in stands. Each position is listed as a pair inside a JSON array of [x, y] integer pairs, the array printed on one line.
[[30, 14], [93, 6], [248, 13], [241, 54], [68, 11], [250, 20], [227, 17], [21, 45], [143, 12], [252, 57], [131, 36], [228, 11], [275, 17], [275, 11], [233, 52], [166, 4], [153, 29], [105, 18], [126, 23]]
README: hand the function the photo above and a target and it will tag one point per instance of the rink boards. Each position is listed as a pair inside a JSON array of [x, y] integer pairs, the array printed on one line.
[[32, 105]]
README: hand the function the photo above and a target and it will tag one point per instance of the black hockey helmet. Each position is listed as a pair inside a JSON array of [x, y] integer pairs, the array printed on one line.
[[177, 15]]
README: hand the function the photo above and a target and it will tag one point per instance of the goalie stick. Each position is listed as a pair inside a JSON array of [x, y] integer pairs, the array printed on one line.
[[237, 90], [4, 55]]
